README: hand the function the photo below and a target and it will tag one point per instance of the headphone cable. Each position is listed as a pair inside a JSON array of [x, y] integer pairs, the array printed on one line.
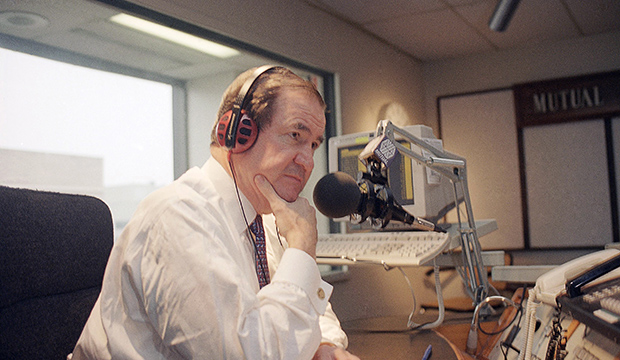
[[245, 219]]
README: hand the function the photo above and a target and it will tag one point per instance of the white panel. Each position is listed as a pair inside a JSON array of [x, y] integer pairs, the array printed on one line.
[[481, 128], [567, 185]]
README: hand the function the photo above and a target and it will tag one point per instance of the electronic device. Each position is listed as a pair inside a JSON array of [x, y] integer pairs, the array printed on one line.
[[596, 303], [578, 340], [553, 283], [598, 307], [235, 129], [573, 312], [564, 307], [421, 191], [408, 248]]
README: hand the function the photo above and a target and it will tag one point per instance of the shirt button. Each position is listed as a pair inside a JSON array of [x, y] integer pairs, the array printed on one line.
[[321, 293]]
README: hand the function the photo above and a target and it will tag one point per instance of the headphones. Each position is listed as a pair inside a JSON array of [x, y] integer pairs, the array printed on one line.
[[235, 129]]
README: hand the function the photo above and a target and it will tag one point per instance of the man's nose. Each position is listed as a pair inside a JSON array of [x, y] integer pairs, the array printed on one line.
[[305, 158]]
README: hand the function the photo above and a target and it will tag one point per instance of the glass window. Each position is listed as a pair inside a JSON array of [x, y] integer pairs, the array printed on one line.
[[73, 129], [70, 122]]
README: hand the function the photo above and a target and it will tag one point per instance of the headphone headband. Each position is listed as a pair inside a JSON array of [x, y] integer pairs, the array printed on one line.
[[240, 102]]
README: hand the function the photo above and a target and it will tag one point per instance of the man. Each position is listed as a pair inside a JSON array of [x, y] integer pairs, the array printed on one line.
[[186, 278]]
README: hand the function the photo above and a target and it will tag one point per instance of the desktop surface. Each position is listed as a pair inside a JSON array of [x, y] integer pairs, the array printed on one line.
[[388, 338]]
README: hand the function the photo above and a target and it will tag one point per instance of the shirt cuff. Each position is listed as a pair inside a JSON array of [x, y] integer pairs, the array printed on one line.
[[299, 268]]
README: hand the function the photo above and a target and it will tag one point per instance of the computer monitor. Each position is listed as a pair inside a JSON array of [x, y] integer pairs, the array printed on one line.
[[421, 191]]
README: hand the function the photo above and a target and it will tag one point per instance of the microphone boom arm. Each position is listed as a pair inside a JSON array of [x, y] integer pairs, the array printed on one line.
[[454, 168]]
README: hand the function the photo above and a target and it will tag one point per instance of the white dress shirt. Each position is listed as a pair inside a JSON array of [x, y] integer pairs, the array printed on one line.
[[181, 283]]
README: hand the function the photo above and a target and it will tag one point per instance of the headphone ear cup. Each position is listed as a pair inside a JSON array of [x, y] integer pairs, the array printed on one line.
[[222, 128], [246, 135], [247, 132]]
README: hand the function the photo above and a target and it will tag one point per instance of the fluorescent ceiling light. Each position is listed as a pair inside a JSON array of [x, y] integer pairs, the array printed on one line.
[[175, 36]]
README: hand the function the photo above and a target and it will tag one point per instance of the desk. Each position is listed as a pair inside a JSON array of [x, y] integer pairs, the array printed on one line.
[[369, 340]]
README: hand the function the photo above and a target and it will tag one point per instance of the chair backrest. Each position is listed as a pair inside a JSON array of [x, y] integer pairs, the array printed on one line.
[[53, 252]]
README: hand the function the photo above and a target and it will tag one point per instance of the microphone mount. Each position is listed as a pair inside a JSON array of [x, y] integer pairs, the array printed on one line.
[[377, 156], [378, 203], [376, 172]]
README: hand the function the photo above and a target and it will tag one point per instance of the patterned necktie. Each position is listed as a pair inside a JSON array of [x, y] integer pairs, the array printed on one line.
[[262, 269]]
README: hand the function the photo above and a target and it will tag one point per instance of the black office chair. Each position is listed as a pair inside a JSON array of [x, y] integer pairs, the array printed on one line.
[[53, 252]]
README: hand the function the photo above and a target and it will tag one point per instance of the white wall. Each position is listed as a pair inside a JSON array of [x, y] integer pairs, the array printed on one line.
[[505, 68], [371, 74], [203, 102], [502, 69]]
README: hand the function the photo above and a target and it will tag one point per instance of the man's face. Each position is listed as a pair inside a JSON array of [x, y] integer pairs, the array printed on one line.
[[284, 150]]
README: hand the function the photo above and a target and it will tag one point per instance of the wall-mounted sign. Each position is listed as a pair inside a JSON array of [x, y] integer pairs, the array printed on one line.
[[567, 99]]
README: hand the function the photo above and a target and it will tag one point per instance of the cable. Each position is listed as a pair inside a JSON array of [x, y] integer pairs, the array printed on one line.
[[500, 330], [245, 218], [411, 326], [440, 317], [412, 296], [532, 303], [472, 337]]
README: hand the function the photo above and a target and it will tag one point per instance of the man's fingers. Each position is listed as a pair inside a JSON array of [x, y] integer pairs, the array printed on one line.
[[265, 187]]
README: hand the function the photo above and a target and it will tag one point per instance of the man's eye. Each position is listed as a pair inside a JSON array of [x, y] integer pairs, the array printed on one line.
[[295, 135]]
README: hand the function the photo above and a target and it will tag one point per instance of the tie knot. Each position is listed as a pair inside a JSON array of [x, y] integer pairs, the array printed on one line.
[[257, 227]]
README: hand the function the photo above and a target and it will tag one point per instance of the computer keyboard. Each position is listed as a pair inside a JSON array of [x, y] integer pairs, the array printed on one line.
[[389, 248]]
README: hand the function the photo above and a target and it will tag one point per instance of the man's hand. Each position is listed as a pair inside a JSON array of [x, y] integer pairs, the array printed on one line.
[[330, 352], [296, 220]]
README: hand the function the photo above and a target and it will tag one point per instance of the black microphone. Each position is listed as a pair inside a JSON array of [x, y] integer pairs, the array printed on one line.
[[338, 194]]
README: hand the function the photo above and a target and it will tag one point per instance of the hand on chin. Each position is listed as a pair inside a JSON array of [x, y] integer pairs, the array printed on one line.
[[289, 188]]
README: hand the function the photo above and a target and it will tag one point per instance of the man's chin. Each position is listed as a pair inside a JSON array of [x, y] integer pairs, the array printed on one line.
[[289, 196], [291, 199]]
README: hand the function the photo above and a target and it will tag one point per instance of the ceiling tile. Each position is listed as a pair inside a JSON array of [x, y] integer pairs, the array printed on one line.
[[364, 12], [426, 29], [62, 16], [533, 22], [431, 35], [595, 16], [465, 2]]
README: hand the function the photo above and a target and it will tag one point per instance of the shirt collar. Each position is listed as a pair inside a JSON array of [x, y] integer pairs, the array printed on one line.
[[225, 187]]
